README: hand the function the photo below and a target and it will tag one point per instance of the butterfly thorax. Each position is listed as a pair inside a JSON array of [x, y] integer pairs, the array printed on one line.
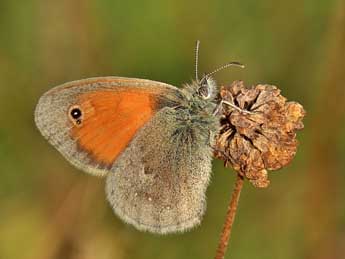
[[195, 116]]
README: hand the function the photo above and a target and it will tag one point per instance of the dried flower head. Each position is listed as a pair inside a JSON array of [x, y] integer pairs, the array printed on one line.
[[261, 134]]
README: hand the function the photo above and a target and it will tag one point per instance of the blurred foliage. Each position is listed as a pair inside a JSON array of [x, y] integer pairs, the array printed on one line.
[[51, 210]]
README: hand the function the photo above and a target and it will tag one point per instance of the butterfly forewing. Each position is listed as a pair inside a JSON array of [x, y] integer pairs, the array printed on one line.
[[110, 109]]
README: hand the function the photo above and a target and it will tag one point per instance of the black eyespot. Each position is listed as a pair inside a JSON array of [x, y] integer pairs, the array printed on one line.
[[76, 113]]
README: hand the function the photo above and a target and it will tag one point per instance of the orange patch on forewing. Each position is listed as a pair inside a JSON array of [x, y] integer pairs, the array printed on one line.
[[110, 121]]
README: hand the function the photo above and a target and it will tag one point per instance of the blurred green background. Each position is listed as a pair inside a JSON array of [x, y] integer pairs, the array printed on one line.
[[48, 209]]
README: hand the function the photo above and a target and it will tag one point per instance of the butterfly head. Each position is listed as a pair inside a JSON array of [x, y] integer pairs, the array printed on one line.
[[206, 87]]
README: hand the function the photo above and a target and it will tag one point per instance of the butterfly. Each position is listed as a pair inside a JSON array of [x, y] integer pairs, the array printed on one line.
[[152, 141]]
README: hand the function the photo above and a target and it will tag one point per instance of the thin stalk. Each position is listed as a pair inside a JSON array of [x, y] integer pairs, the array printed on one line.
[[229, 220]]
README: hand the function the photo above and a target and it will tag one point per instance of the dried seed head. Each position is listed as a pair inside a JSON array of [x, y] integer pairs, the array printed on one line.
[[264, 138]]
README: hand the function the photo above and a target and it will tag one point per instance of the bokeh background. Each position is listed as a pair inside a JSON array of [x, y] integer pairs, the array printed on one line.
[[48, 209]]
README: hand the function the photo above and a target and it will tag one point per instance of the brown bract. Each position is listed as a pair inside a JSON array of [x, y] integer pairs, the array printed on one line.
[[263, 139]]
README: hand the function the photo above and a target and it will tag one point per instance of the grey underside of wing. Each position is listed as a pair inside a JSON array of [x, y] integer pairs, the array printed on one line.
[[158, 183], [52, 121]]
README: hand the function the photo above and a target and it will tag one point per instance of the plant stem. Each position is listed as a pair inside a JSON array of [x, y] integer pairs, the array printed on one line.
[[230, 217]]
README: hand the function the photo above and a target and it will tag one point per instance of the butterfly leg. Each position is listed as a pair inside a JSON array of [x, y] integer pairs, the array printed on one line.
[[220, 105]]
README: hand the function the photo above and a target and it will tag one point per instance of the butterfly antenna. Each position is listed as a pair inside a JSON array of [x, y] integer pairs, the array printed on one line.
[[197, 59], [237, 64]]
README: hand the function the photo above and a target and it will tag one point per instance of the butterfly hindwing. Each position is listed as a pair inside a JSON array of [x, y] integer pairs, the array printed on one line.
[[158, 184]]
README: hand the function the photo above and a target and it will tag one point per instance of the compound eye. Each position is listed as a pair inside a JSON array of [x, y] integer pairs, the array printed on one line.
[[75, 115], [204, 91]]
